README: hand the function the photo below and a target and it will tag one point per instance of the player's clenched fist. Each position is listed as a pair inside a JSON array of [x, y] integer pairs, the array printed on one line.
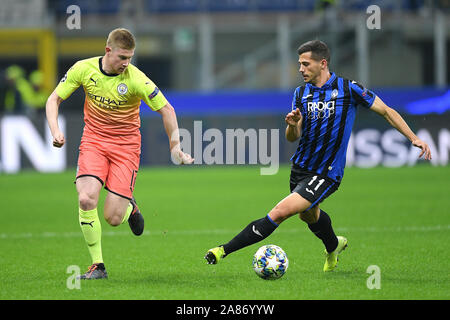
[[179, 157], [59, 140], [293, 117]]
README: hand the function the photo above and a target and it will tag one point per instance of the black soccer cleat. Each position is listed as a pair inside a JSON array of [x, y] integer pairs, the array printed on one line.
[[96, 271], [136, 220]]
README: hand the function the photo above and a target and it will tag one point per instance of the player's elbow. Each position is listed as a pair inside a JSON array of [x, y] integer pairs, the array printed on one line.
[[53, 100], [49, 100], [389, 114], [167, 110], [171, 109]]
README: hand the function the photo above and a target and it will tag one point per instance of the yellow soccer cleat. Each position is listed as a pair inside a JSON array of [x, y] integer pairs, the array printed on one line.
[[332, 257], [214, 255]]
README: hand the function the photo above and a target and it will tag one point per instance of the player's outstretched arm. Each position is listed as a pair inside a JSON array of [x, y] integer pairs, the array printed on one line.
[[51, 110], [396, 121], [169, 118], [294, 124]]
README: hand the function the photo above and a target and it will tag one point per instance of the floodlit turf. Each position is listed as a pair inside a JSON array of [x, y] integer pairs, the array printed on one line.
[[396, 219]]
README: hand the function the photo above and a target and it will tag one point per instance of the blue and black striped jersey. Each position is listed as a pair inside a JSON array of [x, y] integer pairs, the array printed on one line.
[[328, 115]]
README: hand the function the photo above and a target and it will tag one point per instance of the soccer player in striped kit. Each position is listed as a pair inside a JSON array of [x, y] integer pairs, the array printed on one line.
[[322, 116], [111, 143]]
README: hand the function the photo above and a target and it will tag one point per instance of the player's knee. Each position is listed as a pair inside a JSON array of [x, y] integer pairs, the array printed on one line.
[[278, 214], [305, 217], [309, 216], [113, 220], [86, 201], [112, 216]]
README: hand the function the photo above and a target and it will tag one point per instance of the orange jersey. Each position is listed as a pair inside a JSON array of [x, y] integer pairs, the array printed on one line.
[[112, 102]]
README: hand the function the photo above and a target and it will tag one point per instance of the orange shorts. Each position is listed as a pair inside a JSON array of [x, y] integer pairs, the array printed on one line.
[[114, 163]]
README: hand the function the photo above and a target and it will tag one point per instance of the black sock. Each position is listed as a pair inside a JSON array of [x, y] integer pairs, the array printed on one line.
[[324, 231], [254, 232]]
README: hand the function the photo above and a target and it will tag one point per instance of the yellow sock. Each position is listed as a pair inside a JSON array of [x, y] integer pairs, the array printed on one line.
[[92, 231], [127, 213]]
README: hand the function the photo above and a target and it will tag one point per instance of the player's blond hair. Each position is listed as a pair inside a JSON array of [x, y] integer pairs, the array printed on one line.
[[121, 38]]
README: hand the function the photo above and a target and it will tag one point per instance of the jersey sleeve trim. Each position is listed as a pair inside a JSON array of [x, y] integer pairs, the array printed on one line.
[[361, 95]]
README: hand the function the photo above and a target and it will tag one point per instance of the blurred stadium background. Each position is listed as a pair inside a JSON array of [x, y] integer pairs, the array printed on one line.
[[220, 61], [228, 64]]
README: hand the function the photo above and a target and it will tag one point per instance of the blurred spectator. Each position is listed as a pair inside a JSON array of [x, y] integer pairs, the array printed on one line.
[[24, 95], [33, 92], [12, 98]]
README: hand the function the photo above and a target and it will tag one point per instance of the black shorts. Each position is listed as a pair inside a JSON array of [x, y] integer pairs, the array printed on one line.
[[312, 186]]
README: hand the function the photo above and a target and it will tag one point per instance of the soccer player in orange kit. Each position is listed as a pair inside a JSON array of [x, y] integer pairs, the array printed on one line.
[[111, 143]]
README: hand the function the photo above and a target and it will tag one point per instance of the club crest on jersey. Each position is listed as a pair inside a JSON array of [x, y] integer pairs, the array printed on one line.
[[334, 94], [122, 88]]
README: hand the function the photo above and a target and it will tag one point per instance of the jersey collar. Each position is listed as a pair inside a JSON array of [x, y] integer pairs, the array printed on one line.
[[103, 71], [327, 84]]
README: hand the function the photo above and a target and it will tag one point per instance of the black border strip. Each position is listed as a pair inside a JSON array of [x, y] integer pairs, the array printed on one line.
[[118, 194], [89, 175]]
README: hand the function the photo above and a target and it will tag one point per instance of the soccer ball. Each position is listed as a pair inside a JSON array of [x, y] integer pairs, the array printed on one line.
[[270, 262]]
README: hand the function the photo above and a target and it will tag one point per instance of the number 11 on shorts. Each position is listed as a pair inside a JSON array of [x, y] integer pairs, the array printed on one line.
[[318, 184]]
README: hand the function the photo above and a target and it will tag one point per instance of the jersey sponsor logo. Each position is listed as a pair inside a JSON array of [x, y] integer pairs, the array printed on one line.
[[154, 93], [122, 89], [320, 109], [106, 103]]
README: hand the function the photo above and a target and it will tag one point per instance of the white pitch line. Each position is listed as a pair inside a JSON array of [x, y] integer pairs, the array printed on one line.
[[50, 234]]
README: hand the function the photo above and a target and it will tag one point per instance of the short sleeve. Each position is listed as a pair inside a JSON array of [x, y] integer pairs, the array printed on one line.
[[294, 98], [361, 95], [70, 82], [297, 98], [150, 93]]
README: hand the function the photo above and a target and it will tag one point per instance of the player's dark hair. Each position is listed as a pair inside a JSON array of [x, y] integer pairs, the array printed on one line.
[[319, 50]]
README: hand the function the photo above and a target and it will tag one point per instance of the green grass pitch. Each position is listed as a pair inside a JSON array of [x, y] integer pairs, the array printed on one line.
[[397, 219]]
